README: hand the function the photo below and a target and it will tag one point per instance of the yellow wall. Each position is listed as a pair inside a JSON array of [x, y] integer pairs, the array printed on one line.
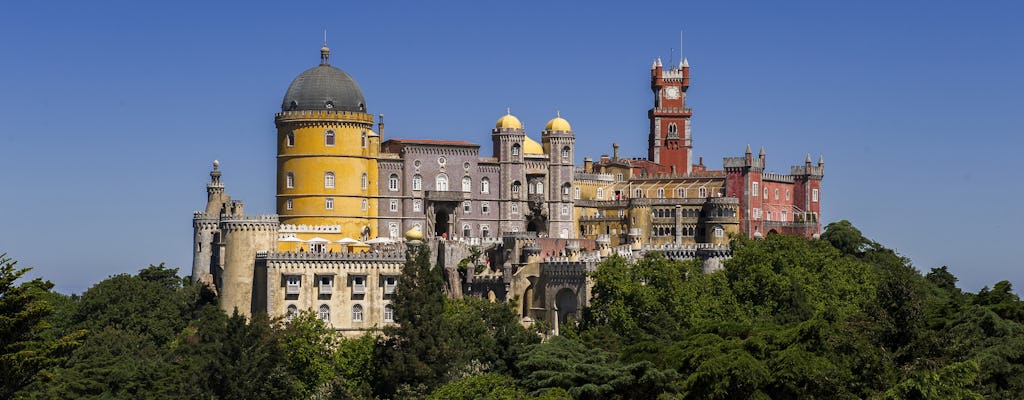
[[310, 157]]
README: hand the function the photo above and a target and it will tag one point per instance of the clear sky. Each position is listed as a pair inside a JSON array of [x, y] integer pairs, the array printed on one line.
[[111, 112]]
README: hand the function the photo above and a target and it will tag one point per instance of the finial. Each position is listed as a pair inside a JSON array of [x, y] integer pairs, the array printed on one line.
[[508, 110], [216, 165], [685, 63], [558, 114], [325, 52]]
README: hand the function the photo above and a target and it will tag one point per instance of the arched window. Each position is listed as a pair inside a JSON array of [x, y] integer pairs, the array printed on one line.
[[441, 183], [362, 140], [325, 313], [365, 205], [661, 193], [417, 182], [417, 205], [393, 182], [564, 234], [485, 185], [681, 193], [289, 180], [540, 187], [639, 193], [292, 311], [516, 186], [600, 193], [467, 184], [389, 313], [515, 149], [329, 138], [357, 313], [328, 180], [289, 204], [672, 128], [291, 139], [618, 176], [363, 181], [565, 153], [577, 192], [465, 231], [703, 192], [329, 203], [485, 231]]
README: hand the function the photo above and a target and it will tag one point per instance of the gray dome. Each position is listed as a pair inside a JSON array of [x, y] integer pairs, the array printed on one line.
[[324, 88]]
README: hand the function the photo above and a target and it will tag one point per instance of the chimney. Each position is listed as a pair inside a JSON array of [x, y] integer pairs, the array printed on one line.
[[615, 151], [380, 126], [588, 165]]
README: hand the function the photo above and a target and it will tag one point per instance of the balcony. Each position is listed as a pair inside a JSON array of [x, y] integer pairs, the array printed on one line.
[[447, 195], [291, 289], [326, 289]]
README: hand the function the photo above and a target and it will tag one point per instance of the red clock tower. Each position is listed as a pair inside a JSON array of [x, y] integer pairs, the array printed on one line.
[[669, 142]]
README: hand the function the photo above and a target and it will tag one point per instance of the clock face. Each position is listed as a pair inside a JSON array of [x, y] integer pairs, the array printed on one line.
[[671, 92]]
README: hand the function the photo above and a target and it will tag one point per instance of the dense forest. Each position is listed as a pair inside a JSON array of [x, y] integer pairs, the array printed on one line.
[[838, 318]]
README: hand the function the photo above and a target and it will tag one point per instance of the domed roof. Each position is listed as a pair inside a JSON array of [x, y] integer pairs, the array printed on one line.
[[530, 146], [508, 121], [558, 124], [324, 87]]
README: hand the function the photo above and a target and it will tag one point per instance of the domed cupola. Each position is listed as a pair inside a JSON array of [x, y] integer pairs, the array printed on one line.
[[558, 124], [324, 87], [508, 121]]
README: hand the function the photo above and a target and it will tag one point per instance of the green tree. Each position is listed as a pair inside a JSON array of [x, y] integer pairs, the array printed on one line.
[[414, 354], [310, 345], [490, 386], [483, 336], [845, 237], [25, 348]]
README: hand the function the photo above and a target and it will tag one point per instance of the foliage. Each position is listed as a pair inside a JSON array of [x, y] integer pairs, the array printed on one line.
[[26, 344], [490, 386], [483, 336]]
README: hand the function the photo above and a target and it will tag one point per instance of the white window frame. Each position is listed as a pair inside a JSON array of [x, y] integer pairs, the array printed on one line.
[[393, 182], [357, 313], [364, 181], [754, 189], [290, 139], [289, 204], [365, 205], [394, 206], [324, 313], [702, 192], [814, 195], [515, 149], [485, 207], [389, 313], [467, 207], [330, 138], [417, 205], [485, 185], [600, 193], [417, 182], [329, 203], [329, 180], [467, 184], [576, 192], [289, 180], [441, 182]]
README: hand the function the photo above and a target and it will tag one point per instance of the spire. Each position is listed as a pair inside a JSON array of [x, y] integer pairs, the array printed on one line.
[[761, 153], [654, 64], [658, 62], [215, 176], [325, 52], [748, 149], [821, 160], [685, 63], [808, 159]]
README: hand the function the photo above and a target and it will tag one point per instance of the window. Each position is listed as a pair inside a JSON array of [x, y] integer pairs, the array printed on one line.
[[417, 205], [639, 193], [577, 192], [291, 312], [362, 140], [394, 206], [393, 182], [776, 194], [441, 183], [289, 180], [564, 234], [466, 207], [787, 194], [681, 193], [485, 185], [785, 216], [390, 282], [290, 139], [516, 186], [485, 207], [565, 153], [292, 284], [328, 180], [565, 189], [393, 230], [325, 313], [814, 195], [329, 203], [514, 207], [702, 192], [363, 181], [766, 193], [288, 205], [467, 184], [753, 189], [417, 182], [565, 210], [672, 128], [485, 231], [719, 232], [326, 284], [389, 313], [618, 176], [661, 193], [357, 313], [358, 284], [768, 215], [365, 205], [465, 231], [600, 193], [515, 149], [329, 138]]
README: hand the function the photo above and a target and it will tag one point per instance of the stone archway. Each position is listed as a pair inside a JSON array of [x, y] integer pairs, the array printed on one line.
[[567, 306], [441, 222]]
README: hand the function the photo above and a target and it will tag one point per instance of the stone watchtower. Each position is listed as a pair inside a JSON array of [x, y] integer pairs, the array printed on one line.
[[205, 226], [327, 153], [559, 140], [508, 139]]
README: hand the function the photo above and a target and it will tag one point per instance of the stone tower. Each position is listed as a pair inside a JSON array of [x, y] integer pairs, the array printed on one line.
[[508, 139], [327, 153], [559, 139], [669, 141], [205, 228]]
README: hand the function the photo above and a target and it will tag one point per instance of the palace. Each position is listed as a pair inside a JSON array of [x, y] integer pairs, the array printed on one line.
[[539, 223]]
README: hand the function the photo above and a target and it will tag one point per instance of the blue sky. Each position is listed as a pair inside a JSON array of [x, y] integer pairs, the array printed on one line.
[[112, 111]]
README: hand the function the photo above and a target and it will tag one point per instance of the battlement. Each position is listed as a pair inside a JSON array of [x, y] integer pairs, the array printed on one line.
[[249, 222], [561, 267], [579, 175], [323, 115], [303, 228], [741, 162], [396, 255], [672, 110], [670, 75], [774, 177], [803, 170]]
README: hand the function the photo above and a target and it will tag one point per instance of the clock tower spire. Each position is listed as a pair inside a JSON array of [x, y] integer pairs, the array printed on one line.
[[669, 141]]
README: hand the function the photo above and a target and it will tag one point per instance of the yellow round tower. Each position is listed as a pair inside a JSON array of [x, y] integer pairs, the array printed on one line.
[[326, 157]]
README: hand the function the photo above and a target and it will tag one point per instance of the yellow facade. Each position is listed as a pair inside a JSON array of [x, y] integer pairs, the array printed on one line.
[[306, 195]]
